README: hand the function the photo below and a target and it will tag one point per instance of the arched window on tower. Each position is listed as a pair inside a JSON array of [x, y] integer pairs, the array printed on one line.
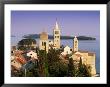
[[56, 32], [57, 36]]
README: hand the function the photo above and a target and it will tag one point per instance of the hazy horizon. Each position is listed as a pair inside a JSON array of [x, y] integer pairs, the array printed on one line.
[[71, 23]]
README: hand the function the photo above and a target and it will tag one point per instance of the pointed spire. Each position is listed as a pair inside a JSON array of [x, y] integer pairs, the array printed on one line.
[[56, 26], [75, 37]]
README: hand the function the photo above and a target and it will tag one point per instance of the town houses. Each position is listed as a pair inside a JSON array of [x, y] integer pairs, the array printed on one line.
[[21, 57]]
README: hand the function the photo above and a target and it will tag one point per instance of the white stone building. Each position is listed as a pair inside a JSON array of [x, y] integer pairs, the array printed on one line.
[[67, 50], [16, 64], [32, 54]]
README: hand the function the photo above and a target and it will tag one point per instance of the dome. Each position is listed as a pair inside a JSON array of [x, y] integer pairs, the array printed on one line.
[[43, 33], [44, 36]]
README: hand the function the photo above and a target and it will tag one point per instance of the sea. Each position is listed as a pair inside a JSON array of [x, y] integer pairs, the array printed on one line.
[[86, 45]]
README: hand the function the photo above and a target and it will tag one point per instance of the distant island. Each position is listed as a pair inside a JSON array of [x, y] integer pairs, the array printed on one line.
[[35, 36], [13, 36]]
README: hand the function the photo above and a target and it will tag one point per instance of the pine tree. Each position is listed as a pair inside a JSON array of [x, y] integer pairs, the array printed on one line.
[[84, 70], [71, 68]]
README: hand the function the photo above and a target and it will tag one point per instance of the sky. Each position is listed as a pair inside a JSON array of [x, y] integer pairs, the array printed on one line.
[[71, 23]]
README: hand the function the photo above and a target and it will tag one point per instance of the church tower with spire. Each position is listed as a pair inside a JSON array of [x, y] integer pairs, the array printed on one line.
[[75, 47], [56, 36]]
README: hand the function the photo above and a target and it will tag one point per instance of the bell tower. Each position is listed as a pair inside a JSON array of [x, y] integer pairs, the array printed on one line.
[[75, 47], [56, 36]]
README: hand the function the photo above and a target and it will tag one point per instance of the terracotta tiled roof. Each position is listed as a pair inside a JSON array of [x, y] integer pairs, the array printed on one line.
[[21, 60], [90, 54], [83, 51]]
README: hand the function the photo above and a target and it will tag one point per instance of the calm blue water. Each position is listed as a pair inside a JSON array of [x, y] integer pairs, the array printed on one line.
[[92, 46]]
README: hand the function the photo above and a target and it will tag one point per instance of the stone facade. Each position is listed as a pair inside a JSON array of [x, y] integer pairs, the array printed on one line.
[[56, 34], [88, 58], [67, 50], [75, 45], [44, 41]]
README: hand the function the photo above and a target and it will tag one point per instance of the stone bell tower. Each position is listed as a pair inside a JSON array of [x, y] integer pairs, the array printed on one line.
[[56, 36], [75, 45]]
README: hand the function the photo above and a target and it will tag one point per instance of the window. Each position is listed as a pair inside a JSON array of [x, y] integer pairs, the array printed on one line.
[[57, 36], [42, 43], [56, 32]]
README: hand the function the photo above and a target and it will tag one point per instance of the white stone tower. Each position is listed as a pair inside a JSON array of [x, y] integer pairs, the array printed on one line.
[[75, 47], [56, 36], [43, 43]]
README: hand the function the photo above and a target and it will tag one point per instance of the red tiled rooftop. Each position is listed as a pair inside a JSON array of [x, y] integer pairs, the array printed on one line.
[[21, 60]]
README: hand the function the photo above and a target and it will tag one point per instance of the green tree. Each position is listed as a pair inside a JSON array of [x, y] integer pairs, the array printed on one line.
[[17, 73], [84, 70], [53, 56], [41, 66], [26, 44], [63, 69], [56, 67], [71, 68]]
